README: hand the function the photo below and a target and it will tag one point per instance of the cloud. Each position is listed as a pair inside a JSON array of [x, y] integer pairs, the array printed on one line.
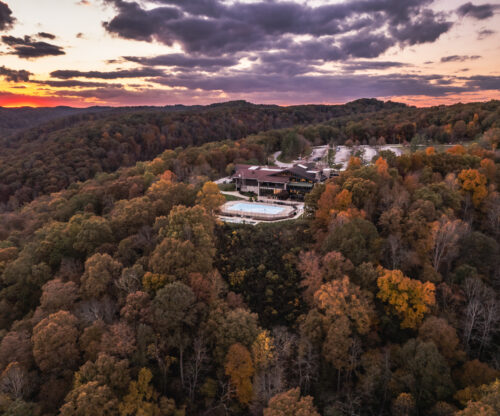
[[483, 82], [46, 35], [459, 58], [28, 48], [324, 88], [13, 75], [180, 60], [484, 33], [6, 18], [211, 27], [425, 28], [126, 73], [75, 84], [367, 65], [481, 12]]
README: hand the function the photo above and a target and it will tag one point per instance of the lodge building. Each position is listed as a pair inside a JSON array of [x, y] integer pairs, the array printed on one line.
[[270, 180]]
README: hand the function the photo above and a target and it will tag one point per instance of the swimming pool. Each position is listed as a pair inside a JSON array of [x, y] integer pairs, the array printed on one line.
[[253, 208]]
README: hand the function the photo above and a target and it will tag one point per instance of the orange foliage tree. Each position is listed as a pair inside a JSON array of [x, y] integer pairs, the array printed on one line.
[[239, 367], [290, 403], [473, 182], [407, 298]]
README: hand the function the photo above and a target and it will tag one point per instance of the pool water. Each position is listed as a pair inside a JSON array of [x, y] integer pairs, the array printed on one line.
[[256, 208]]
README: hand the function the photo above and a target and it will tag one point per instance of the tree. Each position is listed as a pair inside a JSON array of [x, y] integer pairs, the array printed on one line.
[[290, 403], [357, 239], [473, 184], [175, 314], [445, 237], [100, 271], [239, 368], [141, 398], [188, 244], [487, 404], [90, 399], [14, 381], [210, 197], [94, 231], [107, 371], [409, 299], [54, 342], [341, 311], [444, 336], [422, 371], [57, 295]]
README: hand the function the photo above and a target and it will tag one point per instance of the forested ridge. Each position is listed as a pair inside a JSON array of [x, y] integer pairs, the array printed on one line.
[[125, 292], [50, 157]]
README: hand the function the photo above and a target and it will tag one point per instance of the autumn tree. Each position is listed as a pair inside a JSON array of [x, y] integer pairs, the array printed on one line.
[[473, 185], [210, 197], [239, 368], [342, 310], [54, 342], [100, 271], [408, 299], [90, 399], [57, 295], [487, 404], [291, 403], [141, 398]]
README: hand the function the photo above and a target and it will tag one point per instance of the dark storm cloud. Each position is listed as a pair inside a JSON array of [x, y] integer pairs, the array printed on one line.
[[46, 35], [74, 84], [425, 28], [459, 58], [325, 87], [184, 61], [481, 12], [13, 75], [28, 48], [133, 22], [126, 73], [212, 27], [367, 65], [6, 18], [483, 82]]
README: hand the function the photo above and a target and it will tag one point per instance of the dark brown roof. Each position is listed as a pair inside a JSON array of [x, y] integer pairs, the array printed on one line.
[[272, 173]]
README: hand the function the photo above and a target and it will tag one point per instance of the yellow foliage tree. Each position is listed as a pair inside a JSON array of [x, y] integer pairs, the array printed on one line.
[[142, 398], [407, 298], [263, 350], [210, 197], [239, 367], [473, 182]]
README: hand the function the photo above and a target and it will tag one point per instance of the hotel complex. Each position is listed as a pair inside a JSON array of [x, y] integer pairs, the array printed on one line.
[[282, 182]]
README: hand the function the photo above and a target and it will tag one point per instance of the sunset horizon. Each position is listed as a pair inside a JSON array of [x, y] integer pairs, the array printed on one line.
[[164, 52]]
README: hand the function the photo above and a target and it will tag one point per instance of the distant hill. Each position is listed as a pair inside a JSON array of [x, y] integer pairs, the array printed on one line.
[[74, 147]]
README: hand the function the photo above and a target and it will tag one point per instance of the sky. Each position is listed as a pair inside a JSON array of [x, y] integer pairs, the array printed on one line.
[[162, 52]]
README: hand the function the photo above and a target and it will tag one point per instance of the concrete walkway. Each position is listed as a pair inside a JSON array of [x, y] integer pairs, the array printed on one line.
[[235, 193]]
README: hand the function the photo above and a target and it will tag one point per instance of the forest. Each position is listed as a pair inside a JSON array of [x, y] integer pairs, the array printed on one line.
[[122, 293]]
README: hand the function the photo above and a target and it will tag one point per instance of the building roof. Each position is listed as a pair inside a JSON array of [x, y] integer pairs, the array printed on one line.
[[274, 174]]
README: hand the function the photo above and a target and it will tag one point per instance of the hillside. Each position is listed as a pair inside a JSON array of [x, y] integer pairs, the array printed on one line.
[[54, 155], [125, 292]]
